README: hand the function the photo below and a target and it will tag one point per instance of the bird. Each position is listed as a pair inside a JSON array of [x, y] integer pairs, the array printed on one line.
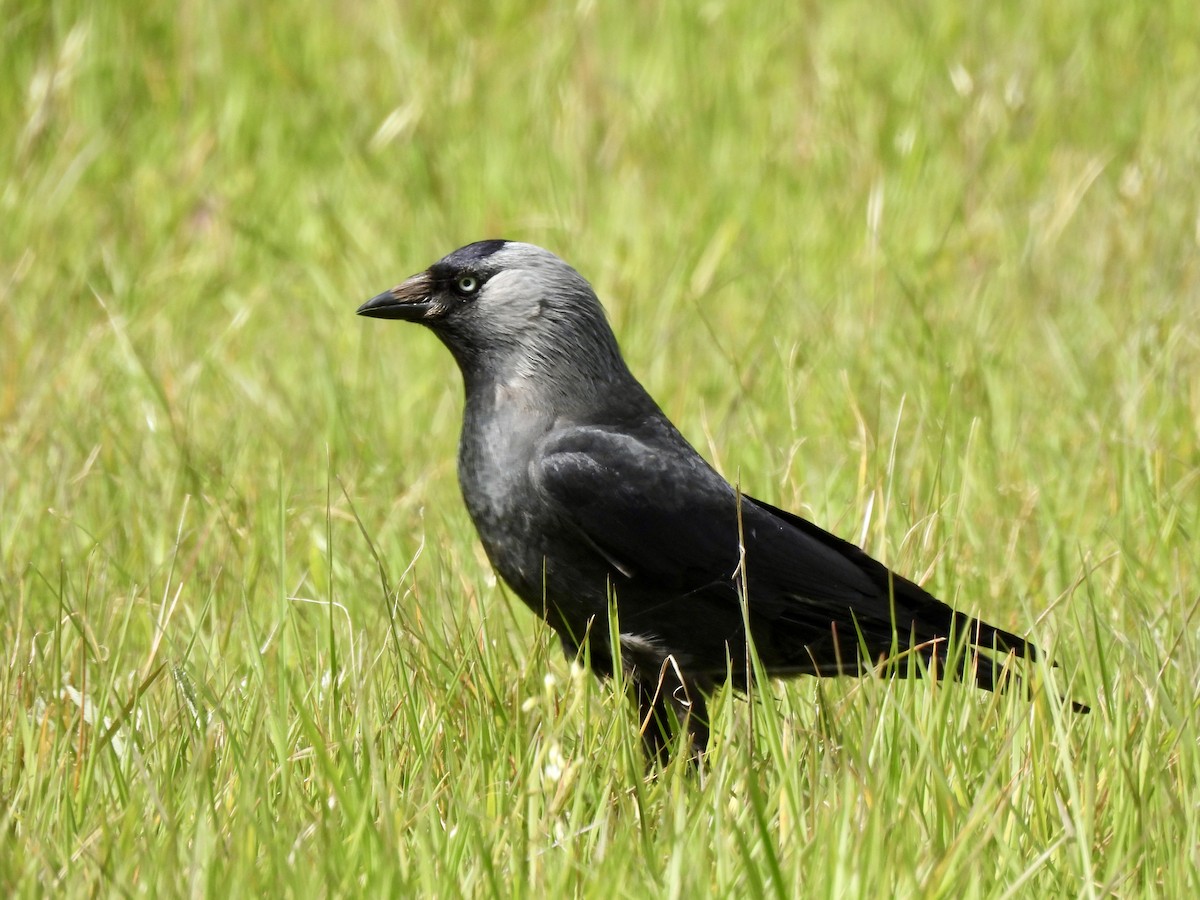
[[588, 501]]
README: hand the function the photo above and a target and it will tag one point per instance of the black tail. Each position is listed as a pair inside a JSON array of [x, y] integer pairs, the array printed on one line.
[[990, 672]]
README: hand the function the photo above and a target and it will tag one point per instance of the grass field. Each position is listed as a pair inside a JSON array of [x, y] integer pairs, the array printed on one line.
[[928, 273]]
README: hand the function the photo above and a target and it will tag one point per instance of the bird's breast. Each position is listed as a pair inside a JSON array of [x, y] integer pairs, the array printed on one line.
[[494, 454]]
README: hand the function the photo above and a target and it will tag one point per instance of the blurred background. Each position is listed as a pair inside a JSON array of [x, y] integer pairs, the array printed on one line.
[[926, 272]]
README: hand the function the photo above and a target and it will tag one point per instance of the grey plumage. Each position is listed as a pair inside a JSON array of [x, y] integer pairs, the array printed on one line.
[[582, 490]]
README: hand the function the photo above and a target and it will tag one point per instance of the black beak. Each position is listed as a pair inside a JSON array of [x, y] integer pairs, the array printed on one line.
[[410, 301]]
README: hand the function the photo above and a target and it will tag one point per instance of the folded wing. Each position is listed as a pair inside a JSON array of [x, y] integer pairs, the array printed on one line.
[[671, 530]]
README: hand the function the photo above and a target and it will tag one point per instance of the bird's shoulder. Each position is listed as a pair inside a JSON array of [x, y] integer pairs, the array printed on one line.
[[639, 496], [644, 458]]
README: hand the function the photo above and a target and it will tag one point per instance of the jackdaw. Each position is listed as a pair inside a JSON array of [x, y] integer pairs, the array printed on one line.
[[586, 496]]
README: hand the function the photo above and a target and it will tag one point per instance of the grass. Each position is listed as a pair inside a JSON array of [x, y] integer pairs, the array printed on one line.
[[927, 273]]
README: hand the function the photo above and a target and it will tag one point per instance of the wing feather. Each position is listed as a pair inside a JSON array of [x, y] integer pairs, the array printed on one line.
[[669, 525]]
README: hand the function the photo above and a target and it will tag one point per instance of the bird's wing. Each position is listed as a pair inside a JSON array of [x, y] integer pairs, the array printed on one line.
[[662, 516], [659, 517], [898, 599], [664, 519]]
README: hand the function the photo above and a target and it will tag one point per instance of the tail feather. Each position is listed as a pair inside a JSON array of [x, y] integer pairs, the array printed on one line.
[[992, 674], [980, 634], [973, 665]]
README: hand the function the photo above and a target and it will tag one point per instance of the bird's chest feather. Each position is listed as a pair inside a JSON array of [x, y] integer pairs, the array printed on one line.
[[497, 444]]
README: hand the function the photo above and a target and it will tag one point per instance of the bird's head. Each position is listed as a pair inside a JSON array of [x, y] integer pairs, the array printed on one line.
[[508, 309]]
